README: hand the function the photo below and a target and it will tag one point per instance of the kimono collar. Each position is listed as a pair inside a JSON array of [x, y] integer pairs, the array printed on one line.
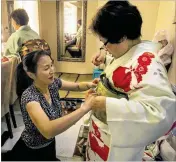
[[24, 27], [144, 46]]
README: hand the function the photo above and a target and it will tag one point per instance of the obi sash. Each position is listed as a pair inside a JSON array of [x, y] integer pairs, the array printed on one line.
[[105, 88], [99, 136]]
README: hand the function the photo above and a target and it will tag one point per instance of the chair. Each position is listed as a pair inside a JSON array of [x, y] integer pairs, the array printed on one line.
[[75, 50], [5, 93], [13, 95]]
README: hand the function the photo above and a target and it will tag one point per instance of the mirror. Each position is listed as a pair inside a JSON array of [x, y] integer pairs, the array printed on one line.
[[71, 30], [10, 8]]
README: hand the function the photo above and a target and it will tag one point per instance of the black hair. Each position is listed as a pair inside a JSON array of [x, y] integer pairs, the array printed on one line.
[[117, 19], [28, 64], [79, 22], [20, 16]]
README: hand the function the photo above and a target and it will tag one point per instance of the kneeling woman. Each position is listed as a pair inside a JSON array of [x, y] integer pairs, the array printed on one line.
[[41, 108]]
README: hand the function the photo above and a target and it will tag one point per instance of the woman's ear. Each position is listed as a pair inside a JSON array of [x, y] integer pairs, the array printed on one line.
[[31, 75]]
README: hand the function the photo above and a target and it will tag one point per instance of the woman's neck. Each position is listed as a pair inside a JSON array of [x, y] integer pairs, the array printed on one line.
[[131, 43], [17, 27], [43, 88]]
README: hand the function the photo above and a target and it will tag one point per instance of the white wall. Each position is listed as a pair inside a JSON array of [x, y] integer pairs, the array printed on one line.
[[31, 8], [166, 14], [149, 12]]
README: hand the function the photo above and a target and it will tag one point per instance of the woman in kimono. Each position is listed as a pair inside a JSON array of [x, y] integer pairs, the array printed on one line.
[[23, 32], [136, 104]]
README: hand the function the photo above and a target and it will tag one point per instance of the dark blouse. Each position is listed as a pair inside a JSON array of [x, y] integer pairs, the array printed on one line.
[[31, 135]]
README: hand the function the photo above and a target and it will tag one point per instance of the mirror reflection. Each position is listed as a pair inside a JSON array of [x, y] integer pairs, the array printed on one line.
[[71, 25]]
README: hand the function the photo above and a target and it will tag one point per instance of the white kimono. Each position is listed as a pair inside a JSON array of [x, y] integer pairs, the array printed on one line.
[[147, 114]]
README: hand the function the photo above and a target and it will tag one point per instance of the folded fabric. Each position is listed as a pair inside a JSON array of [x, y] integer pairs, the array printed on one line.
[[166, 52]]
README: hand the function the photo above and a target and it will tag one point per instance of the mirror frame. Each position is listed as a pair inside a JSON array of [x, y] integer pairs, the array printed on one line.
[[10, 8], [83, 44]]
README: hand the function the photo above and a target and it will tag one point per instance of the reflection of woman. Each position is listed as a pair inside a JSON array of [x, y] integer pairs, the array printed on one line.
[[41, 108], [76, 42], [136, 104], [19, 19]]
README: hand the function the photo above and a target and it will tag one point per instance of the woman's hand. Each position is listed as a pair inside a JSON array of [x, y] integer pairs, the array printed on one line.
[[98, 102], [90, 92], [98, 59], [88, 104], [93, 84]]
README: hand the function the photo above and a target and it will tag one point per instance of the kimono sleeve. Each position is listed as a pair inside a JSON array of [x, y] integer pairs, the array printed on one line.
[[12, 46]]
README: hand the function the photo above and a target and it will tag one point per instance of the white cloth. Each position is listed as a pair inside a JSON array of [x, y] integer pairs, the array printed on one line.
[[79, 33], [79, 38], [109, 59], [160, 35], [166, 52], [6, 68], [147, 115]]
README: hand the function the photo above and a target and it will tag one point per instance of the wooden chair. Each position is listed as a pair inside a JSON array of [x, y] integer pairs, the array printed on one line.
[[13, 95], [5, 93]]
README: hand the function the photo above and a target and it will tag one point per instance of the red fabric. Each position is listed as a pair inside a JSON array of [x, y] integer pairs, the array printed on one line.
[[141, 69], [122, 76], [148, 154], [145, 58], [173, 126], [122, 79], [4, 59], [95, 139]]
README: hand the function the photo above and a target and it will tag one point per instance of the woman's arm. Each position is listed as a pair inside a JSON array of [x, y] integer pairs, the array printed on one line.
[[81, 86], [50, 128]]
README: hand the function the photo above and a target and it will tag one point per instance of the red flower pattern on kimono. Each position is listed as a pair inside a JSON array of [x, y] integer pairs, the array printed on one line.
[[96, 143], [138, 76], [97, 132], [145, 58], [141, 69], [122, 76]]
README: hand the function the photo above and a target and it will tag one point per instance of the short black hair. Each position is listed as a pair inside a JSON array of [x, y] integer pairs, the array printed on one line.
[[20, 16], [117, 19], [79, 22]]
